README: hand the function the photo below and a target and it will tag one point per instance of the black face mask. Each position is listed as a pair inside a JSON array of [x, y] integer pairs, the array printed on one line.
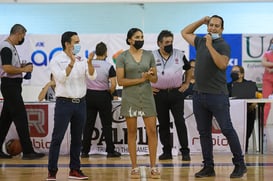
[[138, 44], [168, 48], [234, 76], [21, 42]]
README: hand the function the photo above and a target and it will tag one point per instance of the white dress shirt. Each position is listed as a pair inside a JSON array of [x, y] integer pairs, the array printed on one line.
[[74, 85]]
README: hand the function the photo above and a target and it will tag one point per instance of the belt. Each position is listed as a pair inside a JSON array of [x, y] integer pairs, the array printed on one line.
[[73, 100], [169, 89]]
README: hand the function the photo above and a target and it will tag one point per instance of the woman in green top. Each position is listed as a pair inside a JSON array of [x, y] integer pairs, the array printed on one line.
[[135, 70]]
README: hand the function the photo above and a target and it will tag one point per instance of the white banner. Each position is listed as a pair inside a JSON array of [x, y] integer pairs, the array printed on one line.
[[39, 49], [41, 116], [253, 48], [40, 120], [220, 143]]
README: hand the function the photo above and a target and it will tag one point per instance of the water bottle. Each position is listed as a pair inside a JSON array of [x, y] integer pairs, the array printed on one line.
[[28, 74]]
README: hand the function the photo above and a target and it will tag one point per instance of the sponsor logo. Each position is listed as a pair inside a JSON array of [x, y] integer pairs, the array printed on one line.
[[40, 143], [37, 120], [216, 141]]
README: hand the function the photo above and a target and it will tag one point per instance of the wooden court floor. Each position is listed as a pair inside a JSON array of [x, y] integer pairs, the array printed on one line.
[[100, 168]]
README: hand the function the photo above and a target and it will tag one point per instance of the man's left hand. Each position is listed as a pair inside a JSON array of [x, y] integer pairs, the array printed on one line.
[[184, 87]]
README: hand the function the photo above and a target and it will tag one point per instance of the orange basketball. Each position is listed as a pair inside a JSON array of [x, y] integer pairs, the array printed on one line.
[[13, 147], [259, 95]]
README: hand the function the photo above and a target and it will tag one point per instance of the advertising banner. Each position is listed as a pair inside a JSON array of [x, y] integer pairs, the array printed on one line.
[[253, 48], [39, 49], [41, 122]]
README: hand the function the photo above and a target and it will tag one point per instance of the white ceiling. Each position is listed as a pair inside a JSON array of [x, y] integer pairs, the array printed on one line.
[[123, 1]]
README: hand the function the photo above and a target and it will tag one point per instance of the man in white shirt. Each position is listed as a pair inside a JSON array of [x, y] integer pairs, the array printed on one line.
[[70, 72]]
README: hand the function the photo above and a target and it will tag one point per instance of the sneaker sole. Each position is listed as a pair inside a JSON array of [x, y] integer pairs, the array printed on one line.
[[165, 158], [78, 178], [51, 179], [202, 176]]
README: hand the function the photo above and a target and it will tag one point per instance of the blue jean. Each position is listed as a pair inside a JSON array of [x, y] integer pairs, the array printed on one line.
[[205, 106], [67, 112]]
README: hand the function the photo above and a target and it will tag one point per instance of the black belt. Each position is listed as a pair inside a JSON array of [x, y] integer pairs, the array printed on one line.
[[169, 89], [73, 100]]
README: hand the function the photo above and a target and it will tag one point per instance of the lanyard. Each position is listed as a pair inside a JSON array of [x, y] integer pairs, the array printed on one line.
[[164, 62]]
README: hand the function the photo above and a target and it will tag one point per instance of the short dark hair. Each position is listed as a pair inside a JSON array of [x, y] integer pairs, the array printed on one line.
[[101, 49], [18, 28], [131, 33], [219, 17], [66, 37], [164, 33]]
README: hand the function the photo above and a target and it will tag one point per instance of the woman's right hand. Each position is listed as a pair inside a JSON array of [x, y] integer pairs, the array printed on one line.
[[145, 76]]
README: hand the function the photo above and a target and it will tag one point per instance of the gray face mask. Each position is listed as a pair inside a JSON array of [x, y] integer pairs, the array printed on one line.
[[214, 35], [271, 47]]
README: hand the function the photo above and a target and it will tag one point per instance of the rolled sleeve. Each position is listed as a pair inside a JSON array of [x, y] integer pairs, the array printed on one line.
[[58, 73]]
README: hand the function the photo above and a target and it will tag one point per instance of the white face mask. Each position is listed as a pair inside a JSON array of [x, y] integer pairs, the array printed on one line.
[[214, 35], [77, 48]]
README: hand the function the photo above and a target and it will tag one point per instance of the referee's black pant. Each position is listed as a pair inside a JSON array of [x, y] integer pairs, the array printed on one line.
[[171, 100], [98, 102], [14, 110]]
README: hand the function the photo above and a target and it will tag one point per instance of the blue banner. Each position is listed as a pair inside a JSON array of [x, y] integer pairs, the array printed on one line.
[[235, 43]]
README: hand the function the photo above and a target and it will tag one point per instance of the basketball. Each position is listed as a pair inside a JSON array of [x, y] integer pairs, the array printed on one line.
[[13, 147]]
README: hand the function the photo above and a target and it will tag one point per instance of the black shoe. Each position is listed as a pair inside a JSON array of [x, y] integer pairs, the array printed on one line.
[[238, 171], [52, 175], [207, 171], [5, 156], [113, 154], [165, 156], [186, 157], [85, 155], [32, 156]]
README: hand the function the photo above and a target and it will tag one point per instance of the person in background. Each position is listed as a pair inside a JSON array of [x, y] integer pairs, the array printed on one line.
[[70, 72], [13, 110], [135, 70], [210, 97], [117, 94], [238, 76], [99, 100], [168, 93], [48, 91], [267, 87]]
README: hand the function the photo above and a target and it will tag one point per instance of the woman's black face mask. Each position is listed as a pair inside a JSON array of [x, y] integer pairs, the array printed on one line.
[[138, 44], [234, 76]]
